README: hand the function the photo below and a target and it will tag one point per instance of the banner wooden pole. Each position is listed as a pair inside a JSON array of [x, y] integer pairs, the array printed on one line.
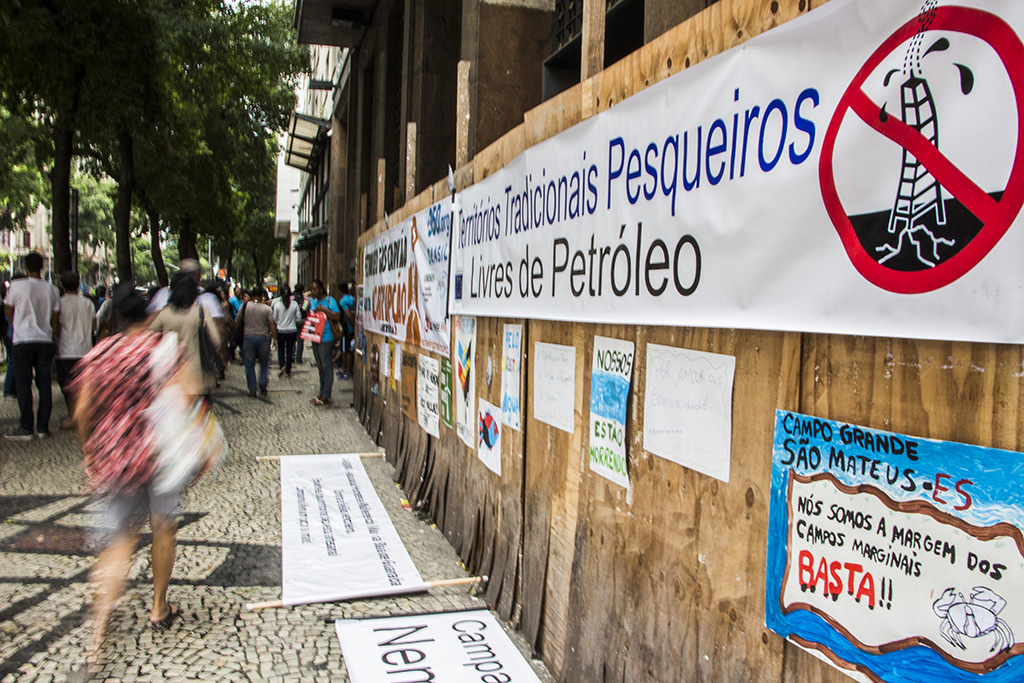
[[278, 457], [272, 604]]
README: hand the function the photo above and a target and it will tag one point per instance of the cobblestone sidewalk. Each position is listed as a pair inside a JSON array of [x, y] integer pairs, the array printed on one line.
[[229, 554]]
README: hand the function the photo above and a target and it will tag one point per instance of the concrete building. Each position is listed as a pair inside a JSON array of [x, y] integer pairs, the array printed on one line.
[[308, 148], [404, 89], [34, 236]]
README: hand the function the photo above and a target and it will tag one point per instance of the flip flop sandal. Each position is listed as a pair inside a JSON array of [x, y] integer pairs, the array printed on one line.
[[173, 612]]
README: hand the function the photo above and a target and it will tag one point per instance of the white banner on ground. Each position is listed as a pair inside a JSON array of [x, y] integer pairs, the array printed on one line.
[[405, 279], [338, 542], [449, 646], [796, 182]]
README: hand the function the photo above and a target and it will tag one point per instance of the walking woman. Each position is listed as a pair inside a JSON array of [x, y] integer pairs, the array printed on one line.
[[115, 387], [286, 315], [182, 315]]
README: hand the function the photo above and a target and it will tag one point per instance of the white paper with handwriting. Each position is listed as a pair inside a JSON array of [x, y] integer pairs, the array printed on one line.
[[688, 408]]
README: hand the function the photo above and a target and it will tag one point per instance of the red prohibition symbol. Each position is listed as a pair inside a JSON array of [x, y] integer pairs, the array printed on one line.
[[995, 215]]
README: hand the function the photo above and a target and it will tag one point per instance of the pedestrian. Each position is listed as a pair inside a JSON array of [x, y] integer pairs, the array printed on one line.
[[183, 314], [77, 325], [260, 333], [32, 305], [235, 301], [347, 304], [115, 387], [8, 330], [209, 301], [303, 302], [100, 297], [225, 323], [321, 301], [286, 317]]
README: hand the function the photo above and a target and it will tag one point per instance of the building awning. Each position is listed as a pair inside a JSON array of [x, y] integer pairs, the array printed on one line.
[[308, 240], [332, 22], [307, 136]]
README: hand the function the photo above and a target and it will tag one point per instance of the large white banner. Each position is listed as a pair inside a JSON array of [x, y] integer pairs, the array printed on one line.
[[405, 279], [338, 542], [447, 646], [797, 182], [431, 237]]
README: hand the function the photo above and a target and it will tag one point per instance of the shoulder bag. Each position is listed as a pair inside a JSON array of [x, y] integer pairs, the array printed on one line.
[[209, 359]]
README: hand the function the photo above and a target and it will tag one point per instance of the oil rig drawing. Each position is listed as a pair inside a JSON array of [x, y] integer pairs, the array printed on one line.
[[918, 193]]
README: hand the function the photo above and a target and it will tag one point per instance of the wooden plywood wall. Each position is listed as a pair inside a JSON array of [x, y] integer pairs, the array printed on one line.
[[666, 582]]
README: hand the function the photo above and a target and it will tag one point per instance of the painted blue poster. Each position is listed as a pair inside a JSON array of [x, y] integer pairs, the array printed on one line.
[[610, 378], [897, 557]]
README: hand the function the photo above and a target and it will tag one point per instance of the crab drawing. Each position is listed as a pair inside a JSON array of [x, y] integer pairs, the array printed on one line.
[[973, 618]]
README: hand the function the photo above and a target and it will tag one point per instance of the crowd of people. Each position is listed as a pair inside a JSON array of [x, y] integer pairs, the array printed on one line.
[[47, 328], [124, 361]]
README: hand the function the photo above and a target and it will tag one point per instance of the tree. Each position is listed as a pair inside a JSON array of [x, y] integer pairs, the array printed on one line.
[[232, 69], [174, 99], [95, 215], [54, 66], [21, 185]]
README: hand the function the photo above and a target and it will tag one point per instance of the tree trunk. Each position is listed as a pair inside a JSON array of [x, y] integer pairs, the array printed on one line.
[[229, 257], [187, 241], [60, 188], [154, 241], [256, 267], [123, 207]]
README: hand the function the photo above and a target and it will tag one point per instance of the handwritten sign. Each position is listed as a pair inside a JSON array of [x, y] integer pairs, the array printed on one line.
[[385, 360], [610, 377], [688, 408], [489, 429], [554, 385], [511, 360], [427, 390], [900, 555]]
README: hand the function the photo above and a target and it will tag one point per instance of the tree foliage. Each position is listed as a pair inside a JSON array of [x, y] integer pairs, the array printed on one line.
[[22, 188], [179, 101]]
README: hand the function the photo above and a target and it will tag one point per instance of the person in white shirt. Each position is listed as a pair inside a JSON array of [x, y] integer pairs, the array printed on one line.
[[210, 303], [286, 316], [77, 325], [32, 305]]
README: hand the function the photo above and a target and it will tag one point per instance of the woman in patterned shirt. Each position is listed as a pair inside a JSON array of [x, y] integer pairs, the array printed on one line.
[[117, 385]]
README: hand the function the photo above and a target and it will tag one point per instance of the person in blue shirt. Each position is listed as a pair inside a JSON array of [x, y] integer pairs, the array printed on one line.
[[347, 304], [236, 303], [319, 300]]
